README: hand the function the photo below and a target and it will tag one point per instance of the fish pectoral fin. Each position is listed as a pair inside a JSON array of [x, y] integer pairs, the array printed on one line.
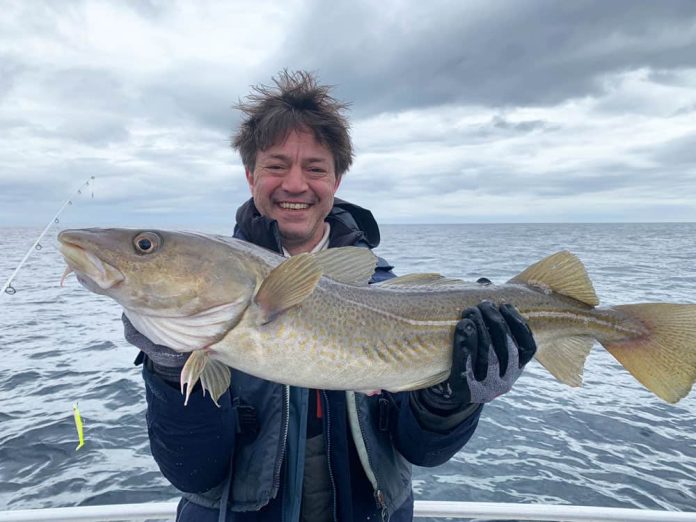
[[564, 274], [214, 376], [565, 358], [288, 284], [349, 265]]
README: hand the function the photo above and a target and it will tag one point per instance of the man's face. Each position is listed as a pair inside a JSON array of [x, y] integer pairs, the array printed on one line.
[[294, 183]]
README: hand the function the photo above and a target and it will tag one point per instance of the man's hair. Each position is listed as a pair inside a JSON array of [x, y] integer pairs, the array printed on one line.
[[295, 103]]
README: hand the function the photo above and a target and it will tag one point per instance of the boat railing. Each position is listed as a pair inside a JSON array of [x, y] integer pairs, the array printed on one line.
[[423, 508]]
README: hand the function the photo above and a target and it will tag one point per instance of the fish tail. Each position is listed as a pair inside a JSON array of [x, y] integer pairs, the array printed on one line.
[[214, 376], [664, 358]]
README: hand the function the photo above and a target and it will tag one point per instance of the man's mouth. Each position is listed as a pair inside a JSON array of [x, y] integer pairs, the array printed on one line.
[[288, 205]]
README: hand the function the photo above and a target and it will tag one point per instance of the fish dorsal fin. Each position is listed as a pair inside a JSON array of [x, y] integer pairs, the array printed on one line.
[[413, 280], [431, 281], [349, 265], [562, 273], [288, 284]]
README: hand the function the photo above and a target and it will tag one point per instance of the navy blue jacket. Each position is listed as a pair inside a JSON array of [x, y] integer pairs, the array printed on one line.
[[240, 449]]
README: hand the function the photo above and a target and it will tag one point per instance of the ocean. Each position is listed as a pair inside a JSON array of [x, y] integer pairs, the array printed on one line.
[[609, 443]]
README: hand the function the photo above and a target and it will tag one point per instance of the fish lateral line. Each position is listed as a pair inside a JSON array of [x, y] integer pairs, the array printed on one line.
[[587, 319]]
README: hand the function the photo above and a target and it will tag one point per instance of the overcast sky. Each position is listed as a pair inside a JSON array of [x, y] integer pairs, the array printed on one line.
[[476, 111]]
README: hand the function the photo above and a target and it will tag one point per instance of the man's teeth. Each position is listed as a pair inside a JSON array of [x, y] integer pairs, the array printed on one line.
[[293, 206]]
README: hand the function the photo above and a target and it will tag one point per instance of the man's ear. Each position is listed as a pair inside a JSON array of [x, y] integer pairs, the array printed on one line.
[[250, 178], [338, 182]]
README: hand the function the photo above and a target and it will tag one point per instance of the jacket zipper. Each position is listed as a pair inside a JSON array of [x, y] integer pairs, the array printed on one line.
[[327, 413], [284, 439], [364, 453]]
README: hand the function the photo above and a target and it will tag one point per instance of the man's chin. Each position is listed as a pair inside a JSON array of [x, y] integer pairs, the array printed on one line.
[[293, 238]]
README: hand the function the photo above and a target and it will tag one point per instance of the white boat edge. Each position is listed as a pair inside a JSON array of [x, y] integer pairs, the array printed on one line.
[[423, 508]]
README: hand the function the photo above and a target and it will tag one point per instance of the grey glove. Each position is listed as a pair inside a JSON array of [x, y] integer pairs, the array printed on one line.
[[164, 361], [491, 347]]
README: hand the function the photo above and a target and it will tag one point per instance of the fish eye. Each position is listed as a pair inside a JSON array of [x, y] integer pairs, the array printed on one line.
[[146, 242]]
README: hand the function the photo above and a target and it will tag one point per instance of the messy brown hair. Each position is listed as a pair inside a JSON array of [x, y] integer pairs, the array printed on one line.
[[296, 102]]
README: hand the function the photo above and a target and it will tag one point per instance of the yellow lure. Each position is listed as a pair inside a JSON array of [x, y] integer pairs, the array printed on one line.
[[78, 426]]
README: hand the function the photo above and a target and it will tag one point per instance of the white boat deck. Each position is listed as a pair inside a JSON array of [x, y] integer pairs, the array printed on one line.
[[452, 510]]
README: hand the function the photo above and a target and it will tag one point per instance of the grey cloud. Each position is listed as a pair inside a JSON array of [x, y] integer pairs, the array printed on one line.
[[8, 124], [500, 122], [9, 71], [607, 178], [150, 9], [97, 131], [679, 153], [494, 180], [687, 109], [198, 92], [493, 53], [497, 127], [88, 88]]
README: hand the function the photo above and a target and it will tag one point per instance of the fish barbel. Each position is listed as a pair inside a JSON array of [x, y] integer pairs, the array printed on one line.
[[312, 320]]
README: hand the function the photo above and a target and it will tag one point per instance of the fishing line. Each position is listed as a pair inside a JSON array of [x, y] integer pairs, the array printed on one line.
[[8, 288]]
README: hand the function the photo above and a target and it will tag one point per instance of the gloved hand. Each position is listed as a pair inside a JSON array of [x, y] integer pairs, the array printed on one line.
[[491, 347], [164, 361]]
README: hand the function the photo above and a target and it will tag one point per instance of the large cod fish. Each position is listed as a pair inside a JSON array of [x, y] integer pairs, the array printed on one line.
[[312, 320]]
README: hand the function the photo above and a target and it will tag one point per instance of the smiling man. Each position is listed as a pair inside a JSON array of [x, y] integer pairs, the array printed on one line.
[[272, 452], [294, 182]]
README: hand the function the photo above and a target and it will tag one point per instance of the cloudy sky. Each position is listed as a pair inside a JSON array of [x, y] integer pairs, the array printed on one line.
[[476, 111]]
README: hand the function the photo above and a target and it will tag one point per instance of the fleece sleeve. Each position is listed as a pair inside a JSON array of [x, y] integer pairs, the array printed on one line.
[[191, 444], [419, 443]]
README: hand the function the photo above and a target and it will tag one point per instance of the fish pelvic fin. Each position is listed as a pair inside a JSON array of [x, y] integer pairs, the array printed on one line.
[[349, 265], [565, 358], [214, 376], [288, 285], [562, 273], [664, 359]]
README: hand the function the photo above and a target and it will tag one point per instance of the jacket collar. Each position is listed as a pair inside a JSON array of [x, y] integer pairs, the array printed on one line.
[[350, 225]]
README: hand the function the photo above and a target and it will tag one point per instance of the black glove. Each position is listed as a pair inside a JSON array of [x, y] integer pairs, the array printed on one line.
[[491, 347], [164, 361]]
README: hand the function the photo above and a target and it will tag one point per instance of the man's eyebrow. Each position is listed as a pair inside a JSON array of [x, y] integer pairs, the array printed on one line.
[[278, 156], [285, 157]]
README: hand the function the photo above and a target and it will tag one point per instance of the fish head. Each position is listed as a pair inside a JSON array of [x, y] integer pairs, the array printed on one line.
[[160, 273]]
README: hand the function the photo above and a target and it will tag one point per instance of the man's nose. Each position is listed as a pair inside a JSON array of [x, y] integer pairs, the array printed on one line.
[[294, 181]]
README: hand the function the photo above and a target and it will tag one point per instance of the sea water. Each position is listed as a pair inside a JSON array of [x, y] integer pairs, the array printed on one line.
[[610, 443]]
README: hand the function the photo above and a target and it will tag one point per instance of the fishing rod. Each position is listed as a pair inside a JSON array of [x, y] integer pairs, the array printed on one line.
[[8, 288]]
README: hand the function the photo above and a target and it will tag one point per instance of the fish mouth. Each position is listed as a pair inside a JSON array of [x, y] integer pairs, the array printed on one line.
[[88, 267]]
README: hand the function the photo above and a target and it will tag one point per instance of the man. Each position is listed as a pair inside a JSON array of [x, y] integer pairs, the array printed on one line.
[[275, 452]]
